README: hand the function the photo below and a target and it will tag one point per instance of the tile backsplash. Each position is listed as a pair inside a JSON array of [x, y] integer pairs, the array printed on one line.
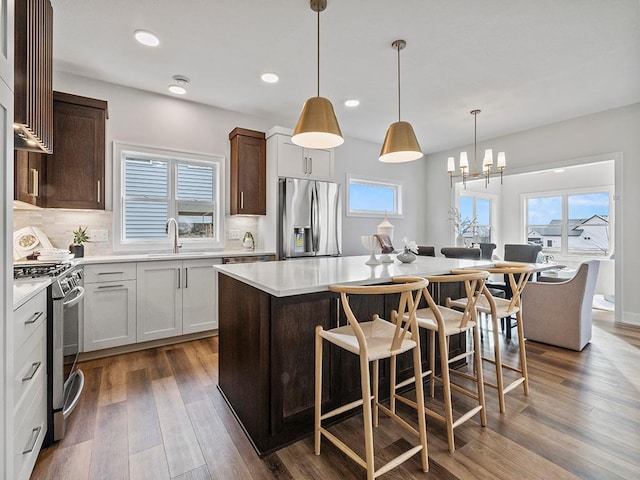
[[59, 223]]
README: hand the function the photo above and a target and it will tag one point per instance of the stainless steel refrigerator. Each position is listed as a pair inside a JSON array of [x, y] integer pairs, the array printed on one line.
[[310, 218]]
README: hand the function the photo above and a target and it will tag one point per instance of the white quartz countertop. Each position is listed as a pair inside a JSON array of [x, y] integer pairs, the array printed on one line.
[[310, 275], [183, 255], [25, 289]]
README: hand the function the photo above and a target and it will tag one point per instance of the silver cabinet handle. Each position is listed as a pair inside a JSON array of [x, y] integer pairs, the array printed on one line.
[[179, 278], [35, 433], [34, 318], [110, 286], [32, 371], [99, 192], [310, 165], [110, 273], [186, 277], [35, 187], [306, 164], [241, 200]]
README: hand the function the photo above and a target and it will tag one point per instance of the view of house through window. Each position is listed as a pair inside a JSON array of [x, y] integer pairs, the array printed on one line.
[[571, 223]]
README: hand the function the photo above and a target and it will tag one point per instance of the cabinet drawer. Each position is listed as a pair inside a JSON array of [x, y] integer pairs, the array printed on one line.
[[109, 272], [29, 435], [29, 366], [28, 317]]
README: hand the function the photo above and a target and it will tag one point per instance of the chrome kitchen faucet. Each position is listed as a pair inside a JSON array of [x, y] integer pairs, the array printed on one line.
[[176, 247]]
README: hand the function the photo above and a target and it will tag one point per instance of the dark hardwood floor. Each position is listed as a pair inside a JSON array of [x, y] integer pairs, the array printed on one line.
[[157, 415]]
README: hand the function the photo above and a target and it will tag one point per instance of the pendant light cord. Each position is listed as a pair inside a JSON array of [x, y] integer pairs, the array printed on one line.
[[398, 46], [475, 142], [318, 55]]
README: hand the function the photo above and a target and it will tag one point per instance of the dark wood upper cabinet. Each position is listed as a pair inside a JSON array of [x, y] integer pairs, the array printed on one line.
[[73, 177], [248, 172], [33, 76], [75, 171]]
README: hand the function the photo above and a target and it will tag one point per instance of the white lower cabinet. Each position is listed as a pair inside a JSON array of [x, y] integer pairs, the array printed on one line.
[[29, 384], [176, 297], [109, 306]]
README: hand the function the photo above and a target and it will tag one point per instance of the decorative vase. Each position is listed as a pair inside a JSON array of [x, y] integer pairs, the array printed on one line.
[[406, 257], [77, 250], [460, 240]]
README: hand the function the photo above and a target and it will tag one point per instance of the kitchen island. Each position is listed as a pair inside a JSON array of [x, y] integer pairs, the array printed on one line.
[[267, 317]]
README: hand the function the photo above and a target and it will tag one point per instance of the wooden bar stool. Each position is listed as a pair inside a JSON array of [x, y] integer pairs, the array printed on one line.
[[517, 276], [372, 341], [443, 322]]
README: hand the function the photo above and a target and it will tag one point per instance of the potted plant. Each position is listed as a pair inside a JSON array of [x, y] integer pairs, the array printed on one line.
[[79, 237]]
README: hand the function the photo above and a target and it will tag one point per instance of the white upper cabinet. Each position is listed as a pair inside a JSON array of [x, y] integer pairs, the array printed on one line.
[[297, 162]]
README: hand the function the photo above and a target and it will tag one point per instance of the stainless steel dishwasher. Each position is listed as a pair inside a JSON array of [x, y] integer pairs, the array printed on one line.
[[249, 259]]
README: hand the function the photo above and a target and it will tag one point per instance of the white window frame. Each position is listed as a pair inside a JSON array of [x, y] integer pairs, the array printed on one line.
[[565, 194], [397, 185], [120, 150]]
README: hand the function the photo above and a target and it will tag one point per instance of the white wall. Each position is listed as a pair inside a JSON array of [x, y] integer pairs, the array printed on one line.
[[610, 133]]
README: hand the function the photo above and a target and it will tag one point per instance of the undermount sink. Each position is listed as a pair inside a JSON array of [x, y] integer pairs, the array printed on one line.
[[186, 253]]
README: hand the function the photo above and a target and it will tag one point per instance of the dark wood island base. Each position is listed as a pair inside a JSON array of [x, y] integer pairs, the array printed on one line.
[[266, 359]]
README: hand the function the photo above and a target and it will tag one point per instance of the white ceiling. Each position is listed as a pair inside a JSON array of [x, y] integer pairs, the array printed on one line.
[[523, 63]]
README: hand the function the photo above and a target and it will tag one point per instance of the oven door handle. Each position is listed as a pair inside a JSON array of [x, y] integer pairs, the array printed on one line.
[[79, 294]]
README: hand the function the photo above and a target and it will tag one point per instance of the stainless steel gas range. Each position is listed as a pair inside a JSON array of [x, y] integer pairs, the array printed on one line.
[[65, 380]]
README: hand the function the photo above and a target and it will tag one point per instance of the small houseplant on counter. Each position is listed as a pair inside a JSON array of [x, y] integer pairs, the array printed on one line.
[[79, 237]]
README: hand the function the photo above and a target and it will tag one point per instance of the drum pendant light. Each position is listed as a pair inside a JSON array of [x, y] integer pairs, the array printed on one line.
[[317, 126], [400, 143]]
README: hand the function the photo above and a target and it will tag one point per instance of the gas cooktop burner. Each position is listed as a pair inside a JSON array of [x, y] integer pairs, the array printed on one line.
[[40, 270]]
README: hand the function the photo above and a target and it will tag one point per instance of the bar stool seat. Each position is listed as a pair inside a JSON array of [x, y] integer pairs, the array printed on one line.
[[372, 341]]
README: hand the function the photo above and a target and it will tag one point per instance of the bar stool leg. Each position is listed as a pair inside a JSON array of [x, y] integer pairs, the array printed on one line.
[[422, 422], [366, 417], [446, 386], [432, 362], [498, 364], [318, 388], [375, 392], [523, 353], [477, 361]]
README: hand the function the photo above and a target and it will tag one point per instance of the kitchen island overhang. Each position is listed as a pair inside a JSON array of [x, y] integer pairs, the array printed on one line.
[[267, 317]]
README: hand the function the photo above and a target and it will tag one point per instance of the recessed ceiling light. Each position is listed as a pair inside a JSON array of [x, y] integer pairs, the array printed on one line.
[[147, 38], [351, 103], [179, 85], [269, 77]]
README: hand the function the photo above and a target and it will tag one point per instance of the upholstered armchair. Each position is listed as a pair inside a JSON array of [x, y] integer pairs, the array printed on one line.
[[559, 313]]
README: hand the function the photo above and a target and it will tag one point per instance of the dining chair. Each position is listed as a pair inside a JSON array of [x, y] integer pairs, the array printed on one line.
[[461, 252], [443, 322], [427, 250], [559, 311], [373, 341], [498, 308], [486, 250]]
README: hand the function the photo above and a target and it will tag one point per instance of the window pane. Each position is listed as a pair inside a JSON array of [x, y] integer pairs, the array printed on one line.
[[544, 222], [483, 211], [588, 225], [145, 219], [146, 178], [373, 197], [466, 209], [195, 182], [196, 219]]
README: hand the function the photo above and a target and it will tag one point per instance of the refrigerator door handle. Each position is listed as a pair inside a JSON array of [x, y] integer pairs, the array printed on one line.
[[315, 224]]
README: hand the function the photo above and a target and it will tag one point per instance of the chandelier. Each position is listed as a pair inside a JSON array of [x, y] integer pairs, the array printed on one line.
[[487, 162]]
